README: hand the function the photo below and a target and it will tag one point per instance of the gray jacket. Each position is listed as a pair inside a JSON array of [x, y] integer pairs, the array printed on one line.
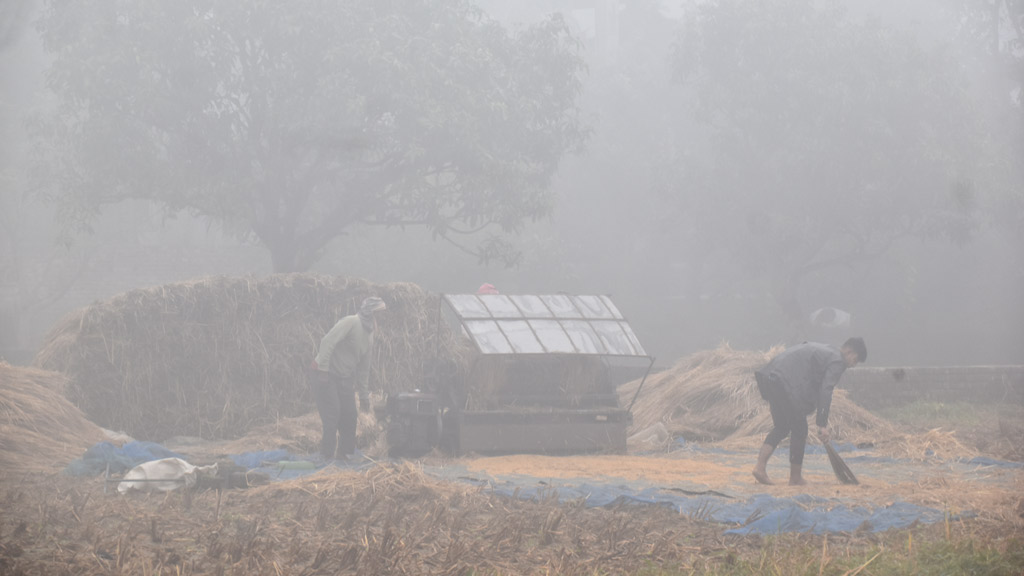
[[809, 373]]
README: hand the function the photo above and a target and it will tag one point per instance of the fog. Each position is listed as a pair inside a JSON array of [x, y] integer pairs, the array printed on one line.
[[722, 170]]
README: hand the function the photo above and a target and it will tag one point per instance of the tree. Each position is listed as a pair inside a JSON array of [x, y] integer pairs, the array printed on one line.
[[817, 141], [34, 272], [992, 35], [294, 121], [13, 19]]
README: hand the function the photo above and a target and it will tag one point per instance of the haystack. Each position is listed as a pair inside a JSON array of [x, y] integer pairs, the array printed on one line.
[[712, 396], [219, 356], [40, 431]]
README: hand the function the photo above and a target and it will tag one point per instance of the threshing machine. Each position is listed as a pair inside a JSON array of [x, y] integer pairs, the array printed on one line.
[[541, 377]]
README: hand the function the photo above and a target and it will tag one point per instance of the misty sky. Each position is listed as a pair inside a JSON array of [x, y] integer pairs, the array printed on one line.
[[738, 172]]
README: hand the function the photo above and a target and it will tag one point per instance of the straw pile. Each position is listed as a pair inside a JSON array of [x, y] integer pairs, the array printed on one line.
[[390, 519], [705, 396], [40, 431], [218, 356], [935, 444], [712, 396]]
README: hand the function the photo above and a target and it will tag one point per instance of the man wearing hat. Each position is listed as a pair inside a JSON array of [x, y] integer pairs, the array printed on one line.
[[342, 363], [799, 381]]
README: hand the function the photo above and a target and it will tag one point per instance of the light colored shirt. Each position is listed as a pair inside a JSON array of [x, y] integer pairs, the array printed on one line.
[[345, 351]]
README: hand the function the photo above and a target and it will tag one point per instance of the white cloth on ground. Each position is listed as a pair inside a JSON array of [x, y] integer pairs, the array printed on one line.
[[163, 475]]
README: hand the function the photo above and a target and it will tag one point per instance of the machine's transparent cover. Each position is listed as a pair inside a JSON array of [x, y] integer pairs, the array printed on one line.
[[552, 336], [521, 336], [488, 337], [544, 324], [500, 306]]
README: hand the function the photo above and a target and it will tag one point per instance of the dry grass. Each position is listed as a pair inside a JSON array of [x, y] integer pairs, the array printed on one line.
[[705, 396], [935, 444], [395, 519], [712, 396], [387, 520], [39, 429], [219, 356]]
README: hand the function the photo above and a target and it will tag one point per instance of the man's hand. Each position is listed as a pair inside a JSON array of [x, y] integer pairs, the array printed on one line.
[[823, 434], [364, 402]]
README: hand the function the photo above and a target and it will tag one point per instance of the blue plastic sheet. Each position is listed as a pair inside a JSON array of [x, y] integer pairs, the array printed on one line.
[[275, 463], [119, 458], [759, 514], [770, 515], [740, 511], [251, 460], [123, 458], [985, 461]]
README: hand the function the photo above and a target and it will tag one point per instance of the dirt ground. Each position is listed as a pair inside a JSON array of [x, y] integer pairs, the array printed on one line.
[[399, 517]]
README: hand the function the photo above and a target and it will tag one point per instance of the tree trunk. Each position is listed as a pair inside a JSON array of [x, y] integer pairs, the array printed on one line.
[[284, 258], [785, 288]]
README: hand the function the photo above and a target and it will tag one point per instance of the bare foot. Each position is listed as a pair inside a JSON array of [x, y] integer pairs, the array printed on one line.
[[762, 477], [797, 481]]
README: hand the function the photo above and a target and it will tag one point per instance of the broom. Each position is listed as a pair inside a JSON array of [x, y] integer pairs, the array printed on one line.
[[841, 470]]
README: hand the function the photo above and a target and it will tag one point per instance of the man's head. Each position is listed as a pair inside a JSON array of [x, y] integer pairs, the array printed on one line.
[[854, 351], [368, 308]]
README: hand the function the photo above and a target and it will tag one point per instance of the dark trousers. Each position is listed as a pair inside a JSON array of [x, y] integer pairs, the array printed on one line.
[[336, 403], [786, 418]]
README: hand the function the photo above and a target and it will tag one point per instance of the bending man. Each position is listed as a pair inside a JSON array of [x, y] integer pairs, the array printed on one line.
[[342, 364], [798, 381]]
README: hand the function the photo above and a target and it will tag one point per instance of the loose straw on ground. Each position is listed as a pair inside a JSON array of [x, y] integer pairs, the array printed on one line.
[[39, 429]]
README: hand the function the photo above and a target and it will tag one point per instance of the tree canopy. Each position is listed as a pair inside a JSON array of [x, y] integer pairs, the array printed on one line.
[[992, 36], [295, 121], [816, 140]]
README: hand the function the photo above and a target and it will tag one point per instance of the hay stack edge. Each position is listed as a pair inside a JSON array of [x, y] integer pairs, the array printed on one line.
[[711, 396], [219, 356], [40, 431]]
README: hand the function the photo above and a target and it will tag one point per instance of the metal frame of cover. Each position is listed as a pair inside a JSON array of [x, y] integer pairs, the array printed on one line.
[[545, 324], [538, 324]]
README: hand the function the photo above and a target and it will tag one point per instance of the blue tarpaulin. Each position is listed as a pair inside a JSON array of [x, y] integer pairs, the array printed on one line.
[[281, 465], [251, 460], [120, 458], [985, 461], [744, 513], [758, 514]]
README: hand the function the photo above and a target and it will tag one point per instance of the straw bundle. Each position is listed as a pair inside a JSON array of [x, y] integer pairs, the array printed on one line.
[[847, 420], [218, 356], [705, 396], [712, 396], [39, 429], [935, 444]]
